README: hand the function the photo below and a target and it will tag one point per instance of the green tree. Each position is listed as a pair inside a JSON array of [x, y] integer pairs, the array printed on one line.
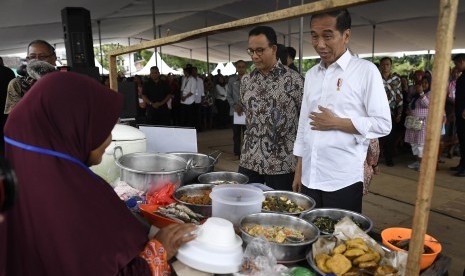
[[106, 48]]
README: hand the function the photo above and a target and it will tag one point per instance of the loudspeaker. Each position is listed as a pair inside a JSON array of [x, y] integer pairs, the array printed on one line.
[[131, 101], [77, 31]]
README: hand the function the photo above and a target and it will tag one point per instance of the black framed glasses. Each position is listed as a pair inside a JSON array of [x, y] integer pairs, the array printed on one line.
[[258, 51], [38, 57]]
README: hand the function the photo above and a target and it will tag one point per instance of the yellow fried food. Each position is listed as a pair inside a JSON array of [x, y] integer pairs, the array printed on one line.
[[352, 272], [339, 249], [339, 264], [364, 247], [320, 260], [354, 252], [377, 255], [383, 270], [367, 264], [355, 241], [367, 257]]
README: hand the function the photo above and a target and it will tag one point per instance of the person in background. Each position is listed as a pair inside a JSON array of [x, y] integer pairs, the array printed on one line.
[[235, 105], [281, 54], [175, 98], [392, 85], [459, 61], [206, 108], [291, 53], [6, 75], [271, 96], [68, 219], [156, 93], [142, 105], [198, 94], [341, 112], [188, 87], [221, 103], [450, 138], [18, 87], [418, 107], [370, 165]]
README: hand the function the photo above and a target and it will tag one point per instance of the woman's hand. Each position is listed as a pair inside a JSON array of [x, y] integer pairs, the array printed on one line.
[[175, 235]]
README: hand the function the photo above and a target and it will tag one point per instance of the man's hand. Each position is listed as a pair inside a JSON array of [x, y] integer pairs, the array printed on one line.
[[297, 183], [326, 120], [238, 109]]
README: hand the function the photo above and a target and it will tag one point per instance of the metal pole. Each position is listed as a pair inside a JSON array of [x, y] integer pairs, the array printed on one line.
[[206, 38], [289, 29], [159, 35], [373, 44], [100, 45], [301, 41], [154, 27], [191, 55], [229, 52], [130, 62]]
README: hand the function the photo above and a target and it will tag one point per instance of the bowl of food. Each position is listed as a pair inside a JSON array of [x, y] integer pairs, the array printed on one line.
[[287, 202], [289, 236], [218, 178], [398, 238], [326, 218], [196, 197], [149, 212]]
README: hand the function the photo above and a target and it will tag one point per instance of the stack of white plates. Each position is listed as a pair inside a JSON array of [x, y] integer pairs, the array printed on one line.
[[217, 249]]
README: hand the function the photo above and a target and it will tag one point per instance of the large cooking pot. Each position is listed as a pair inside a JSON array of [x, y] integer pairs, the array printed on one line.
[[199, 163], [151, 171], [125, 139]]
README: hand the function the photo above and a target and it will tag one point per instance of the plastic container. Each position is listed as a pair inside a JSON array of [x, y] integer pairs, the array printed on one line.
[[233, 202], [217, 249]]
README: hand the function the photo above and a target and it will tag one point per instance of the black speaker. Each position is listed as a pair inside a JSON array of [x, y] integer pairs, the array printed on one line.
[[131, 101], [77, 31]]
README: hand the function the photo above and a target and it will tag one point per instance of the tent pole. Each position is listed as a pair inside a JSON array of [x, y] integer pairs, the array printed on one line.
[[159, 35], [130, 63], [373, 44], [444, 41], [289, 29], [100, 45], [229, 54], [301, 41], [154, 27], [191, 55], [206, 41]]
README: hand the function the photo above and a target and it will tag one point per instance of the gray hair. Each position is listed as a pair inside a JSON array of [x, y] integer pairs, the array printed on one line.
[[38, 68]]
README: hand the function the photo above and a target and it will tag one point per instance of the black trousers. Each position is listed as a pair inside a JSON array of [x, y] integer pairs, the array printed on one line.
[[275, 181], [460, 124], [389, 141], [238, 131], [187, 115], [348, 198]]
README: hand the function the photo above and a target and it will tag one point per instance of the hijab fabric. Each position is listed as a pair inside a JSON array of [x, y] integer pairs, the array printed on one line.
[[67, 220]]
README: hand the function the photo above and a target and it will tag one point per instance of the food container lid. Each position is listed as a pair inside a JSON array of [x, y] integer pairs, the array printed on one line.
[[237, 194], [126, 133]]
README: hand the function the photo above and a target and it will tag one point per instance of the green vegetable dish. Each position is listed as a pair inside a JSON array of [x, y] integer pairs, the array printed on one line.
[[281, 204]]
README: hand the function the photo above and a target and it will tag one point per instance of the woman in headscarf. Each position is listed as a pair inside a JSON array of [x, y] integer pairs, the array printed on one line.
[[418, 107], [67, 220]]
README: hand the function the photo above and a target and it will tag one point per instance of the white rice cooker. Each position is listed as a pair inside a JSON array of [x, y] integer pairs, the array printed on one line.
[[125, 139]]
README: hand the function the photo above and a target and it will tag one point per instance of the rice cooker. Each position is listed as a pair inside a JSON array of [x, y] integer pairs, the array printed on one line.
[[125, 139]]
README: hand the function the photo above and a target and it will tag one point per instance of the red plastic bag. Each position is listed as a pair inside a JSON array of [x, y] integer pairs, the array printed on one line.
[[162, 197]]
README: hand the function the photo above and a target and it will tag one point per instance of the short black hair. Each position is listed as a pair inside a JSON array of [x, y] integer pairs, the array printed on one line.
[[385, 58], [154, 68], [267, 31], [343, 19], [291, 52], [281, 54], [239, 61], [43, 42], [459, 57]]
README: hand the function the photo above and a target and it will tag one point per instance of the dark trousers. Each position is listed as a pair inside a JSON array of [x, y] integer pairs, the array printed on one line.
[[238, 131], [197, 117], [389, 141], [460, 124], [187, 115], [275, 181], [348, 198]]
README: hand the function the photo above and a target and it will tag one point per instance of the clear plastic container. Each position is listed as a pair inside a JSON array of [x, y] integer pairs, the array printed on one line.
[[233, 202]]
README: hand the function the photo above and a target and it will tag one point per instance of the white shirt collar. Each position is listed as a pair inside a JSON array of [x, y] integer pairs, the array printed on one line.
[[342, 61]]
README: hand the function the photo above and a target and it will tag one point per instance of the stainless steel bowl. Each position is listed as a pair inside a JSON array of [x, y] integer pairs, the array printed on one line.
[[223, 178], [151, 171], [286, 252], [199, 163], [195, 190], [302, 200], [337, 214]]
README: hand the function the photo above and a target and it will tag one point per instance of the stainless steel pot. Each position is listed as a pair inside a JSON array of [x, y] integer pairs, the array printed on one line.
[[199, 163], [195, 190], [151, 171]]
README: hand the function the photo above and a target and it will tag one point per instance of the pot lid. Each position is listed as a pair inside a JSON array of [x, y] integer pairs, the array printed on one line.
[[126, 133]]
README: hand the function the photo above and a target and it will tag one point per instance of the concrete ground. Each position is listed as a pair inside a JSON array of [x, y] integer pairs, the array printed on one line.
[[391, 201]]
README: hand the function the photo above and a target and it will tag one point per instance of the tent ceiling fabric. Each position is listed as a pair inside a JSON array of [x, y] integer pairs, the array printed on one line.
[[400, 25]]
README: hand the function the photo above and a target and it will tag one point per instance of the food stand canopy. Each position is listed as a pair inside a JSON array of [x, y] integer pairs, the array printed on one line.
[[400, 25]]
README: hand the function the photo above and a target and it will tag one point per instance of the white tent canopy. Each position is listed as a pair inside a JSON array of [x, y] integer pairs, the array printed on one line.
[[101, 70], [229, 69], [220, 67], [162, 66]]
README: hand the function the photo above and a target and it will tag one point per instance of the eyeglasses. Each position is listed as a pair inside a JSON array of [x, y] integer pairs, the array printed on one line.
[[38, 57], [258, 51]]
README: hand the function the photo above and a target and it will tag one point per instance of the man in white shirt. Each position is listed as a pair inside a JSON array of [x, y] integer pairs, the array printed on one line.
[[344, 106], [198, 94], [188, 87]]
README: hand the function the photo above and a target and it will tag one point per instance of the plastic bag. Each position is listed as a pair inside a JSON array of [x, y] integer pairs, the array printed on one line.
[[162, 197], [259, 261]]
